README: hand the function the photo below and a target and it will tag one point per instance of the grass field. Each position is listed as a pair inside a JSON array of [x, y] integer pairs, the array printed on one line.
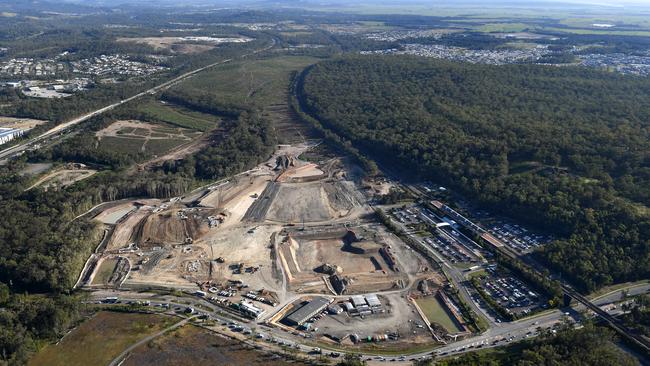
[[436, 313], [247, 82], [122, 144], [503, 27], [100, 339], [178, 116], [104, 271], [190, 345]]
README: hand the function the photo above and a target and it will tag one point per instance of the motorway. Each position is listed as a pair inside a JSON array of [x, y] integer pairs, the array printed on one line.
[[32, 143]]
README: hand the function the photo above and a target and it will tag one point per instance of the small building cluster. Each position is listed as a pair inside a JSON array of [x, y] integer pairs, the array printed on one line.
[[363, 305], [32, 67], [114, 65]]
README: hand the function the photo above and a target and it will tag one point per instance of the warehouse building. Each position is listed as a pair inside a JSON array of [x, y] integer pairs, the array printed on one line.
[[8, 134], [305, 312]]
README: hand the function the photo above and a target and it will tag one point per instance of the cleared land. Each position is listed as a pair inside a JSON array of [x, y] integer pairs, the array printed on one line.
[[62, 178], [400, 318], [305, 202], [178, 116], [357, 259], [298, 203], [436, 313], [114, 214], [138, 136], [21, 123], [184, 45], [98, 340], [190, 345], [124, 233]]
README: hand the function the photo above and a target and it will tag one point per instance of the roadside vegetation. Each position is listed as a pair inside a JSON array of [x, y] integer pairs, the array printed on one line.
[[591, 345]]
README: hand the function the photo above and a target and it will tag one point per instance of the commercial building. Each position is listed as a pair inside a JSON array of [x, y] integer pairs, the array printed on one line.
[[305, 312], [8, 134]]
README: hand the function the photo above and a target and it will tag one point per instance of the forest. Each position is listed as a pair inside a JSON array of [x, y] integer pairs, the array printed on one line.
[[564, 149]]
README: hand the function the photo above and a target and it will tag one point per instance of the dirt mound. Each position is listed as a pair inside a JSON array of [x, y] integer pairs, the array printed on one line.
[[174, 227]]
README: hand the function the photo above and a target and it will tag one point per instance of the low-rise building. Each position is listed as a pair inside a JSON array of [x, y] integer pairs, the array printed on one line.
[[8, 134], [307, 311], [247, 308]]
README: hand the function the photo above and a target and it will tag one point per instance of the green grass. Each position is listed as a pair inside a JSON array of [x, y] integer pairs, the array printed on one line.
[[128, 145], [436, 313], [159, 147], [256, 82], [178, 116], [619, 286], [503, 27], [100, 339], [479, 273], [105, 271]]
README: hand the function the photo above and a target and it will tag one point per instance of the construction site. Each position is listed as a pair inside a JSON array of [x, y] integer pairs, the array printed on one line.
[[340, 262], [261, 242]]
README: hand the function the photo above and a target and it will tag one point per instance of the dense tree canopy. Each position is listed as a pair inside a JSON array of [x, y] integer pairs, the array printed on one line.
[[567, 149]]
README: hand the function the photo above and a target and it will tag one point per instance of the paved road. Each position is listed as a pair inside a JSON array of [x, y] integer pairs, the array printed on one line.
[[18, 149], [456, 277], [493, 337]]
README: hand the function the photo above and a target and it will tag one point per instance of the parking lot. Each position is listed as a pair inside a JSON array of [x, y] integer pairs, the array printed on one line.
[[510, 293], [448, 242], [450, 249], [517, 237], [407, 216]]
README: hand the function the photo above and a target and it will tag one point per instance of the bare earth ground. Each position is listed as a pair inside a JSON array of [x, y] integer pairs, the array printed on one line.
[[400, 317], [144, 130], [300, 202], [180, 44], [112, 215], [369, 271], [123, 233], [21, 123], [63, 178], [242, 247]]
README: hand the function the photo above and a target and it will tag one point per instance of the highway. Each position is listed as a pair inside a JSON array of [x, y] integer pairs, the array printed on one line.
[[32, 143]]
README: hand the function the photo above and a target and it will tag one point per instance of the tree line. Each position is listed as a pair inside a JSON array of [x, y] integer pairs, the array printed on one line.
[[564, 149]]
